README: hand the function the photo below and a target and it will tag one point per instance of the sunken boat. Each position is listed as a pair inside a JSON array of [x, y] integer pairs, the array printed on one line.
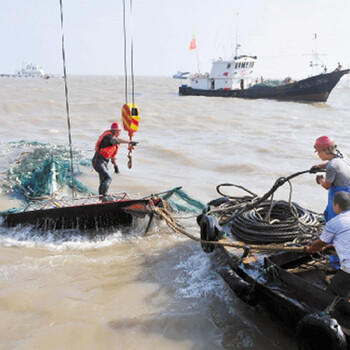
[[263, 243], [83, 213], [234, 78]]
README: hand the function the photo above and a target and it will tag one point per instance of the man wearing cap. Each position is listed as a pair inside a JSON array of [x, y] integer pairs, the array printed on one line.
[[337, 171], [337, 178], [107, 148]]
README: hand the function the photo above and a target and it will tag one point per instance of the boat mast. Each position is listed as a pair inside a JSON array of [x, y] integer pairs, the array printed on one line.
[[198, 62], [316, 64], [237, 46]]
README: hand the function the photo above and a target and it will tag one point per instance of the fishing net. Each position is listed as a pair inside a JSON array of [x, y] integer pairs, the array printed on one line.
[[38, 170], [179, 200]]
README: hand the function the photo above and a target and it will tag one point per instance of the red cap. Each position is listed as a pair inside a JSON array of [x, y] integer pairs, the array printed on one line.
[[116, 126], [323, 142]]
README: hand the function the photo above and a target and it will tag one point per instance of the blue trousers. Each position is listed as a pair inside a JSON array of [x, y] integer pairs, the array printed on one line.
[[329, 214], [100, 164]]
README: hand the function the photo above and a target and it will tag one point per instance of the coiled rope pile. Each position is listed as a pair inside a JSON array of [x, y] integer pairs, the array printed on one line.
[[273, 222], [255, 219]]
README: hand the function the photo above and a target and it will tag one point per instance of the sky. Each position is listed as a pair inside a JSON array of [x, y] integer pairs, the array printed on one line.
[[281, 33]]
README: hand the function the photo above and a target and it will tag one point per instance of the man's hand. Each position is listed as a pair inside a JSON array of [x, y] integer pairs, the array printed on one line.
[[116, 169], [314, 169], [319, 178], [133, 143]]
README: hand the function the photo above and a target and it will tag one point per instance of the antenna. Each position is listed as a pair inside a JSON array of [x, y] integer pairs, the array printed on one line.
[[237, 46], [316, 63]]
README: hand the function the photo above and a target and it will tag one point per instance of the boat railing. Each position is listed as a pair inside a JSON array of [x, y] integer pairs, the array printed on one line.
[[54, 203]]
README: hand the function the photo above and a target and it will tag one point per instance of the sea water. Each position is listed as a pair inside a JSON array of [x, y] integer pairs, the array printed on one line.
[[68, 291]]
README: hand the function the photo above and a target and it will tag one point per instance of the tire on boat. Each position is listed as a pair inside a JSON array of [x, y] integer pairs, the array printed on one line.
[[243, 289], [317, 331], [209, 232], [218, 201], [204, 212]]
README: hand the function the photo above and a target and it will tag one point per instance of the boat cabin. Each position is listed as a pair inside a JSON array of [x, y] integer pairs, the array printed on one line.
[[230, 74]]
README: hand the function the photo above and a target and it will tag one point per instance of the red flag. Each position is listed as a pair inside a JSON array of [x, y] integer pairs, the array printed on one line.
[[193, 44]]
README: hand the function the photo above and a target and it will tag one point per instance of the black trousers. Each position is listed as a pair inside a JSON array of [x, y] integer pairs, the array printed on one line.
[[100, 164]]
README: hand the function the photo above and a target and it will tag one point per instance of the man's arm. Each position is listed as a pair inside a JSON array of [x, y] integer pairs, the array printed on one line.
[[315, 246], [321, 181], [119, 140], [321, 166]]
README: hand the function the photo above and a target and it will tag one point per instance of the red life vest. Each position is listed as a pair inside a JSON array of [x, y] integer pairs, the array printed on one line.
[[108, 152]]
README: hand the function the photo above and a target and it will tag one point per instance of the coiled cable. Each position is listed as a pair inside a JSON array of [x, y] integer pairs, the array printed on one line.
[[255, 219]]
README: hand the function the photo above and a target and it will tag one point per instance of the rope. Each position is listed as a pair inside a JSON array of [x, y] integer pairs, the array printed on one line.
[[176, 227], [67, 102]]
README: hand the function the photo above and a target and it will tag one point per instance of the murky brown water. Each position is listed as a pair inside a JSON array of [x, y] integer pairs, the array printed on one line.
[[158, 291]]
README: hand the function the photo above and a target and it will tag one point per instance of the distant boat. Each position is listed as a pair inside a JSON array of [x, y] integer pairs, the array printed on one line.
[[28, 70], [31, 70], [233, 78], [181, 75]]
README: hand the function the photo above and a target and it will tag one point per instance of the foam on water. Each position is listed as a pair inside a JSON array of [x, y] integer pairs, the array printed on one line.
[[60, 240]]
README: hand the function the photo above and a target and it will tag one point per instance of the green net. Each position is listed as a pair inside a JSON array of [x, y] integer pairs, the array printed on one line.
[[41, 170], [179, 200]]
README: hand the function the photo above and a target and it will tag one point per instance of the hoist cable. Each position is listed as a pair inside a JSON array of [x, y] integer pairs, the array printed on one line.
[[125, 65], [67, 102], [132, 57]]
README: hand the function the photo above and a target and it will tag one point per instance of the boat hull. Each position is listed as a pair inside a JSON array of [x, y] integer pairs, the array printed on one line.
[[289, 297], [313, 89], [87, 216]]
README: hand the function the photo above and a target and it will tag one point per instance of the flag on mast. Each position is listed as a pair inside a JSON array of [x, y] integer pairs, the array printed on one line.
[[193, 44]]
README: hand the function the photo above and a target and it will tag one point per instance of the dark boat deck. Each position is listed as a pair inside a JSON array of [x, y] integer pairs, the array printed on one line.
[[82, 213], [291, 285]]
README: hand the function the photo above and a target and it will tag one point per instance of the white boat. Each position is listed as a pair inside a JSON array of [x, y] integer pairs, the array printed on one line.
[[231, 74], [233, 78], [30, 70], [181, 75]]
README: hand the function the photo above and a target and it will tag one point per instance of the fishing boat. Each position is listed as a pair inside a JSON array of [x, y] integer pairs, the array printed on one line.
[[296, 288], [85, 213], [181, 75], [234, 78], [274, 269]]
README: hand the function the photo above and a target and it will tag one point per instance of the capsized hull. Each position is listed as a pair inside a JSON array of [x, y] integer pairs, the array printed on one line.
[[85, 216], [313, 89]]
